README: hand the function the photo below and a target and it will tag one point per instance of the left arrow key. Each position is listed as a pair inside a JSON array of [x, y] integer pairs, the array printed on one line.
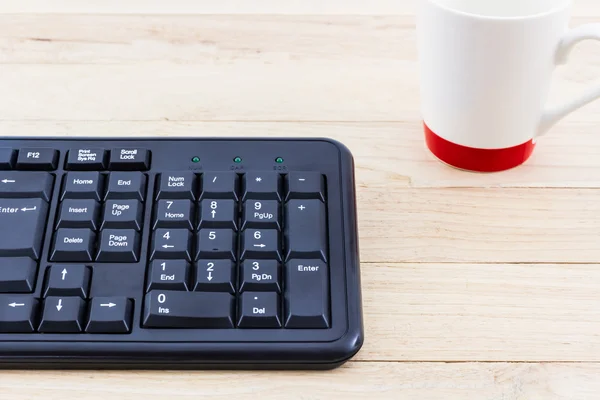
[[18, 314]]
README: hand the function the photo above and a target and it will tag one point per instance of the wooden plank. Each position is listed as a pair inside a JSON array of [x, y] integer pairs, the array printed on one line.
[[224, 68], [188, 39], [211, 7], [481, 312], [384, 7], [480, 225], [355, 381]]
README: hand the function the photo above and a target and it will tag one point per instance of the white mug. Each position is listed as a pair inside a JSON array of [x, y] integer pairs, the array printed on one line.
[[485, 72]]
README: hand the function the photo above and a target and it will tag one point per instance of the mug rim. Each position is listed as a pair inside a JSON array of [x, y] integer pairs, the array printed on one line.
[[560, 8]]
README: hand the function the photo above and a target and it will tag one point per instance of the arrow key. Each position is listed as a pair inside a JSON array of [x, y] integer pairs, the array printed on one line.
[[62, 315], [17, 314], [218, 214], [110, 315], [214, 276], [68, 280], [171, 244], [261, 244]]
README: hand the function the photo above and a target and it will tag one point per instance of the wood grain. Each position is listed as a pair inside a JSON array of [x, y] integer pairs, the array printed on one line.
[[329, 7], [228, 68], [355, 381], [481, 312]]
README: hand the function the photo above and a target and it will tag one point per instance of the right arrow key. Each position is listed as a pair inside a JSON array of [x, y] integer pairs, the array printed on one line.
[[110, 315]]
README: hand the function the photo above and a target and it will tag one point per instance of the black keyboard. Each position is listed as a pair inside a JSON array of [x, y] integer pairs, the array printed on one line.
[[178, 253]]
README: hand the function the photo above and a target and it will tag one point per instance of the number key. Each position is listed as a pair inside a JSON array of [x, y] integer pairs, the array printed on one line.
[[214, 276], [171, 244], [216, 243], [260, 276], [174, 214], [261, 214], [168, 275], [218, 214], [261, 244]]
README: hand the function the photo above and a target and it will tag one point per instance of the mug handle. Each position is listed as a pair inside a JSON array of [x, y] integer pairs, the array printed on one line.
[[566, 45]]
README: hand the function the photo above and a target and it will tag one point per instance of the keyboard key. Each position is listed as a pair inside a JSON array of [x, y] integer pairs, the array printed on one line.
[[129, 159], [18, 184], [261, 244], [174, 214], [174, 309], [73, 245], [263, 185], [83, 185], [176, 185], [22, 226], [305, 185], [220, 185], [7, 158], [259, 310], [214, 276], [37, 159], [79, 214], [119, 245], [110, 315], [17, 275], [122, 214], [260, 276], [169, 275], [62, 315], [68, 280], [171, 244], [216, 243], [18, 314], [216, 213], [86, 159], [264, 214], [306, 229], [306, 294], [126, 185]]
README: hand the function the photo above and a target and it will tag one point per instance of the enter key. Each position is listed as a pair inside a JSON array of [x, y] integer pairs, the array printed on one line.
[[22, 227]]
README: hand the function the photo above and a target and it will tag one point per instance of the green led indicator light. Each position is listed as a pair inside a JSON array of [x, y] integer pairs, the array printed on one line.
[[196, 159], [237, 160], [279, 160]]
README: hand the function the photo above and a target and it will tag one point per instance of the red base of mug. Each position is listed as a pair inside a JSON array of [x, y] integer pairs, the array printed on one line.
[[478, 160]]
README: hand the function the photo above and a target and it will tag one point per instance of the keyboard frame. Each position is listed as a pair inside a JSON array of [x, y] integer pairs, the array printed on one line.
[[219, 349]]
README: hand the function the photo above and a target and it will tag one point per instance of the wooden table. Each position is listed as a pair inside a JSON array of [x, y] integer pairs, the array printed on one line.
[[475, 286]]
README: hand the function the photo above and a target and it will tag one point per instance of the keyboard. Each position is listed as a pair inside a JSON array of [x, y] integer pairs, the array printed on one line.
[[178, 253]]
